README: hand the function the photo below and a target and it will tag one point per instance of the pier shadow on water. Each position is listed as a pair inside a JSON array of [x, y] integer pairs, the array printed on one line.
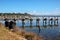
[[49, 32]]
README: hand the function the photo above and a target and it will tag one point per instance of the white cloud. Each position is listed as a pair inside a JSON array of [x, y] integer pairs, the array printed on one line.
[[52, 12]]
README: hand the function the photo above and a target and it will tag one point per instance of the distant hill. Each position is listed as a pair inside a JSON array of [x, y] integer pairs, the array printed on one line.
[[14, 14]]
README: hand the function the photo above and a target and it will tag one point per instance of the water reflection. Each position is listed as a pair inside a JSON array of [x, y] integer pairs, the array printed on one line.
[[44, 25], [45, 30], [39, 27]]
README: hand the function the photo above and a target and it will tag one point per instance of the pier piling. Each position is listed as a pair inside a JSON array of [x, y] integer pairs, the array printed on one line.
[[37, 22], [31, 22], [23, 23]]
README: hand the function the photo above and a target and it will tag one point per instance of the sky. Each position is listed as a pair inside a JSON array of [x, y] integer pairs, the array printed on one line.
[[34, 7]]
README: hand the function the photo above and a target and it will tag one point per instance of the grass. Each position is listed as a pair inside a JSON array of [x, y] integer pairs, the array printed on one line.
[[27, 35], [17, 34], [6, 34]]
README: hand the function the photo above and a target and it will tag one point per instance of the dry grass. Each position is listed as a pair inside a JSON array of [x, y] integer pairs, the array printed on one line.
[[8, 35], [27, 35], [58, 38], [17, 34]]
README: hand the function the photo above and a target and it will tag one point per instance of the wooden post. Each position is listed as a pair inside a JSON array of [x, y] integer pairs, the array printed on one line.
[[51, 21], [23, 22], [44, 21], [48, 22], [57, 20], [14, 22], [54, 21], [31, 22], [37, 22]]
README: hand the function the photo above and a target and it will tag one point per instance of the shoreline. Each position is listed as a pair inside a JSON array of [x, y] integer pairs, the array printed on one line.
[[27, 35], [6, 34]]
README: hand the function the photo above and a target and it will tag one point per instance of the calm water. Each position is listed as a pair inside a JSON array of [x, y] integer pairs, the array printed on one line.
[[48, 32]]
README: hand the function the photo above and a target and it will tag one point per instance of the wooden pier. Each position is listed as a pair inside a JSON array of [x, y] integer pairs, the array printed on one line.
[[52, 19]]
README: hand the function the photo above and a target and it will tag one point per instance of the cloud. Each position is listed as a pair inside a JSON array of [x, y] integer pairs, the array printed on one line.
[[55, 12], [52, 12]]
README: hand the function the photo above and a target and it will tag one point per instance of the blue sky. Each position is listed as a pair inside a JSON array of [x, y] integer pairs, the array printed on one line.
[[36, 7]]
